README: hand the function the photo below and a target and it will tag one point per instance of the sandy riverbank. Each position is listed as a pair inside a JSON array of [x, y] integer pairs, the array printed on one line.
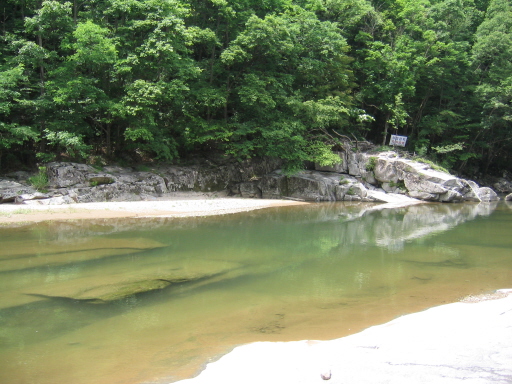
[[176, 205]]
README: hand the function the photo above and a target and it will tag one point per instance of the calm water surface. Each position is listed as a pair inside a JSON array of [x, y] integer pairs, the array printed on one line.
[[151, 301]]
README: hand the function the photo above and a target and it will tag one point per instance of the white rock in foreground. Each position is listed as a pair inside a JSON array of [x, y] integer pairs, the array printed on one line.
[[460, 342]]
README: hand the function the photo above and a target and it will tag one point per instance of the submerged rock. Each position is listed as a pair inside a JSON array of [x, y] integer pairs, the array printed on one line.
[[114, 292], [118, 290]]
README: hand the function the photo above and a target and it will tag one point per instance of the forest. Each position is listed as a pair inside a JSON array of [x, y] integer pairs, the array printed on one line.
[[102, 81]]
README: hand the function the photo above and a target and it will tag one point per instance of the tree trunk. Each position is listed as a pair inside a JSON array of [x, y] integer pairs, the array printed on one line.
[[228, 89], [109, 144], [419, 115], [41, 66], [386, 126]]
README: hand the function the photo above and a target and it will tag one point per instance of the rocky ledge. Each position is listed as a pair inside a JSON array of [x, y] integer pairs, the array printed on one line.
[[384, 177], [381, 177]]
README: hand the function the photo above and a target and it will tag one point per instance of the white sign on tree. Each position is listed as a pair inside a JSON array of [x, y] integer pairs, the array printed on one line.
[[398, 140]]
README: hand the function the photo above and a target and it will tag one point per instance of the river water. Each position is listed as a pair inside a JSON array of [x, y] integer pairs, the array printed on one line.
[[153, 300]]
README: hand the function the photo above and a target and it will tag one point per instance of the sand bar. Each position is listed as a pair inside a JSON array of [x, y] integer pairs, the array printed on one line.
[[183, 205]]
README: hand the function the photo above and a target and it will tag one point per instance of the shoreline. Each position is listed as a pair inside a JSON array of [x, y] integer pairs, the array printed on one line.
[[468, 341], [183, 205]]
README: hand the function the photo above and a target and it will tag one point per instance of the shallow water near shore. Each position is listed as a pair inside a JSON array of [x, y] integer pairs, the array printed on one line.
[[152, 301]]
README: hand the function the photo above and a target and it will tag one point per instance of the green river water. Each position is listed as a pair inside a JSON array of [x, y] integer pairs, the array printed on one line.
[[153, 300]]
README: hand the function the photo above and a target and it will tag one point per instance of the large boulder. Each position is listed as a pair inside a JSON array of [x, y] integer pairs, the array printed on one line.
[[483, 194], [421, 181], [83, 183], [415, 182], [418, 180], [356, 163], [64, 175], [313, 186], [11, 190], [388, 169], [486, 194], [503, 186], [250, 189]]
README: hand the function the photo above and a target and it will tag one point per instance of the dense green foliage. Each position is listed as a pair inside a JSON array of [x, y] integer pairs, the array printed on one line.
[[105, 80]]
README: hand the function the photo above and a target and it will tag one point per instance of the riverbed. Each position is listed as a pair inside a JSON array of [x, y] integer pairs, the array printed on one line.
[[138, 300]]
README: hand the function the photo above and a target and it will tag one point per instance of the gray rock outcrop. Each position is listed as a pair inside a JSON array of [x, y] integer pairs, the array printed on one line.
[[80, 183], [10, 190], [503, 186], [383, 177]]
